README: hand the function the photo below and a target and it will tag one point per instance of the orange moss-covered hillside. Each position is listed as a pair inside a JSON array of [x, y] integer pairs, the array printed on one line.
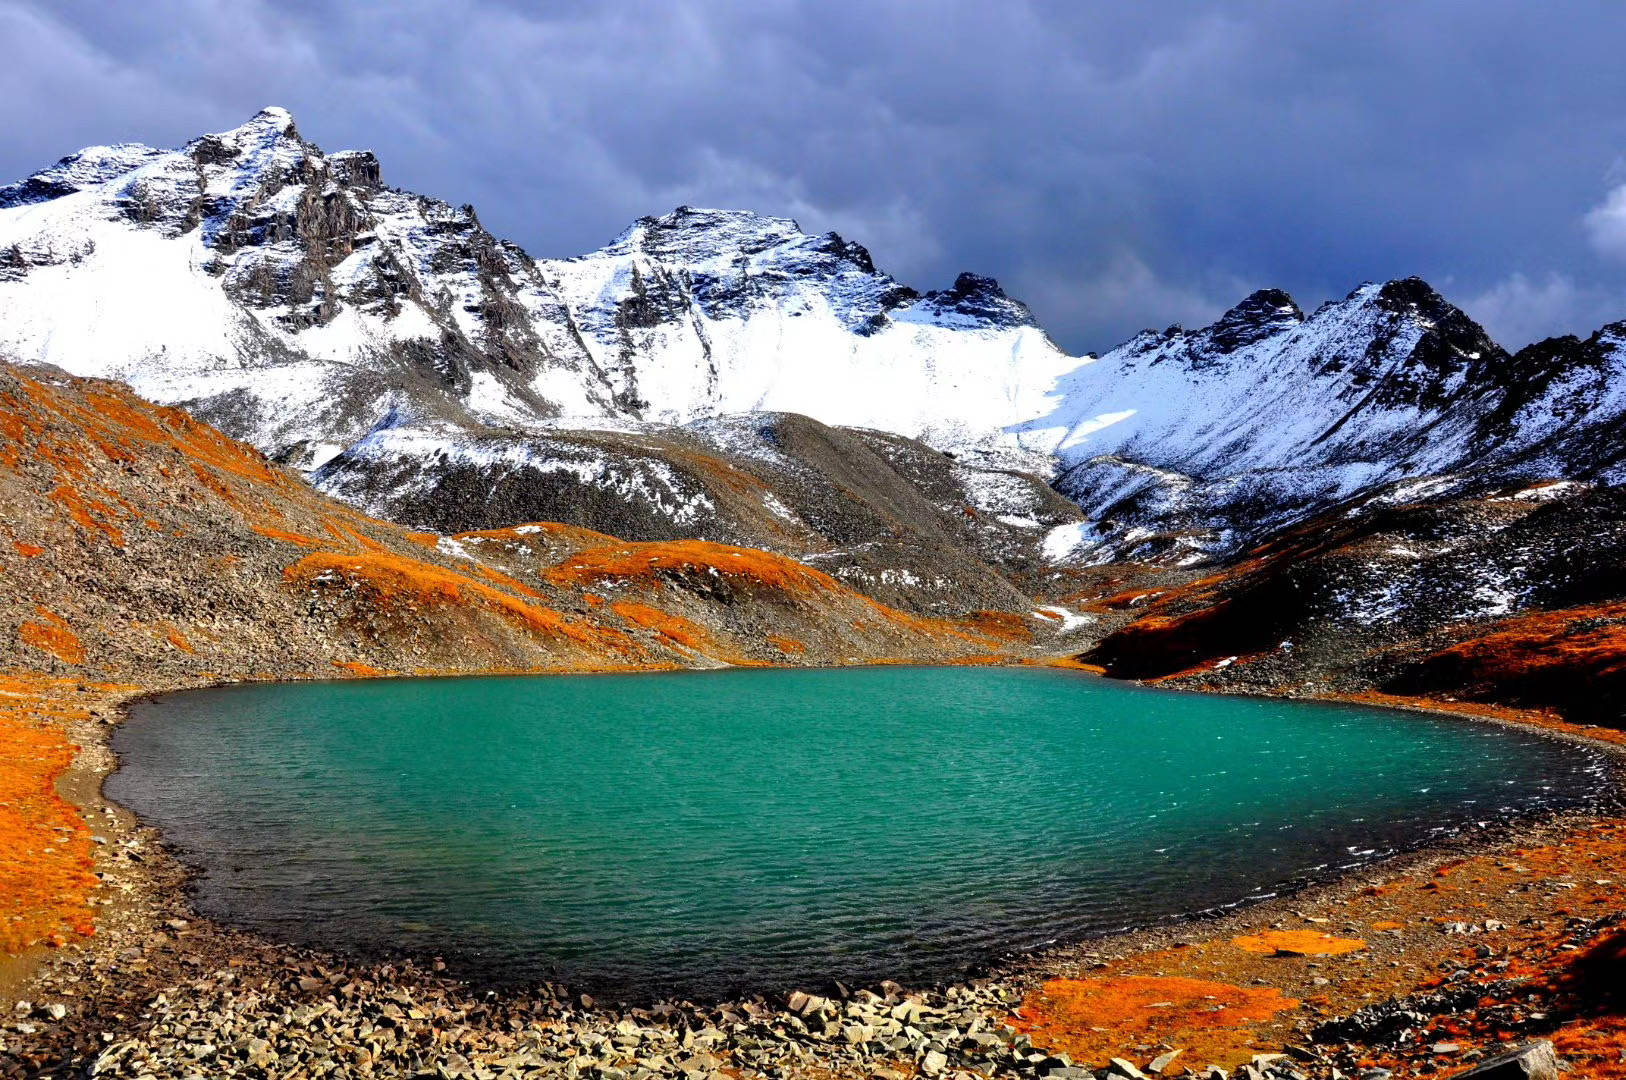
[[1574, 659], [45, 851], [689, 559], [401, 587], [1389, 597], [790, 593], [674, 628], [142, 542]]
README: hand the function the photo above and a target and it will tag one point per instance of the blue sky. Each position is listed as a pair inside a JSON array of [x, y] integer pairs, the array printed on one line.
[[1116, 165]]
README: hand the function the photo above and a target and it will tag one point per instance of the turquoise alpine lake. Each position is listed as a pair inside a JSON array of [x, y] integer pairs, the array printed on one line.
[[752, 830]]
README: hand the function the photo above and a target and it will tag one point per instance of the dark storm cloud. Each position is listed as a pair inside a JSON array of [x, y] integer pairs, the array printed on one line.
[[1118, 165]]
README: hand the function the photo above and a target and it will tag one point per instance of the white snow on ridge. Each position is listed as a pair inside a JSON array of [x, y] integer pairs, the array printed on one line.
[[288, 296], [950, 379], [765, 317], [402, 450], [1271, 401], [1070, 620]]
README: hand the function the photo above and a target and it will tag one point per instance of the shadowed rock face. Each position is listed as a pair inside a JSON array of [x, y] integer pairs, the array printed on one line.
[[1513, 597]]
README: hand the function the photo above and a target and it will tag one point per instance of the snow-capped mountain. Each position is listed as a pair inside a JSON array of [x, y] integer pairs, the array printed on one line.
[[1206, 439], [390, 345], [290, 296]]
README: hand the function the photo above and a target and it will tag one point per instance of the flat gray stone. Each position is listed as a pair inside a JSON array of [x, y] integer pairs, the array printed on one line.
[[1533, 1061]]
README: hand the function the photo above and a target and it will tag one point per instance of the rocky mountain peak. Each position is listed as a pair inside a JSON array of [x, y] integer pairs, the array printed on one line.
[[1450, 339], [1263, 314], [1413, 303], [1412, 293], [981, 298], [700, 233], [268, 138], [89, 167], [713, 242], [273, 121]]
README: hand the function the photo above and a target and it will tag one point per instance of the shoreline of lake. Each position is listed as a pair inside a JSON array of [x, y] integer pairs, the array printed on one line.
[[148, 900]]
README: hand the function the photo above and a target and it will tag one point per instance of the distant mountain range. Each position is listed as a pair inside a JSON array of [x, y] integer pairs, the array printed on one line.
[[427, 371]]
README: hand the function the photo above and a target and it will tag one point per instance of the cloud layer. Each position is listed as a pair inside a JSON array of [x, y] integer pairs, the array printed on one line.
[[1118, 166]]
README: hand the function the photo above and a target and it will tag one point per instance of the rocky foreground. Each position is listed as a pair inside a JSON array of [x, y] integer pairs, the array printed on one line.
[[1427, 967]]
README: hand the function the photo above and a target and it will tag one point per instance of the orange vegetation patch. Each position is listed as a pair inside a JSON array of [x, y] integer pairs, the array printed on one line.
[[290, 537], [345, 533], [1574, 659], [173, 635], [359, 669], [1298, 943], [674, 628], [1096, 1019], [787, 645], [45, 871], [507, 582], [1121, 601], [676, 558], [424, 539], [89, 514], [27, 551], [392, 582], [213, 481], [1072, 663], [1000, 624], [63, 427], [53, 635], [130, 422]]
